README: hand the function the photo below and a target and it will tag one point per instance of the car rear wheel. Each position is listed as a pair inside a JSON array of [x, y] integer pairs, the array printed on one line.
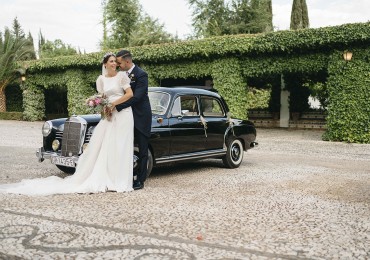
[[65, 169], [234, 154]]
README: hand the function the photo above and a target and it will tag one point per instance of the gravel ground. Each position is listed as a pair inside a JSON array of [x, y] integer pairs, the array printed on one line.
[[293, 197]]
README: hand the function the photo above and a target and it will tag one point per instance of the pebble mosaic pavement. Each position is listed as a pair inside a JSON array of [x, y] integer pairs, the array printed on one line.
[[294, 197]]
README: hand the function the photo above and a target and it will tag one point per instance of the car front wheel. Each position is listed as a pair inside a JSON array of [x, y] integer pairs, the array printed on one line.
[[234, 154]]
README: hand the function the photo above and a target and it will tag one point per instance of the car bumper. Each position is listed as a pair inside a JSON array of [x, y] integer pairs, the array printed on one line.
[[41, 155]]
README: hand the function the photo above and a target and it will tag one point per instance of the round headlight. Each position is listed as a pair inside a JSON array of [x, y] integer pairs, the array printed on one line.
[[46, 128], [55, 145]]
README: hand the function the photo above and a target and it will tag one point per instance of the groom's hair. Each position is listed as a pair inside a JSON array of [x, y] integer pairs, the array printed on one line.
[[124, 54]]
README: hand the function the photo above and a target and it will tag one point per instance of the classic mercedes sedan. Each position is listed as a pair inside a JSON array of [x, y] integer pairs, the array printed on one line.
[[187, 124]]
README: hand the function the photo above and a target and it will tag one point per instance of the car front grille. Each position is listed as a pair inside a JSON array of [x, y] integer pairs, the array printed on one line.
[[88, 137], [73, 136], [59, 135]]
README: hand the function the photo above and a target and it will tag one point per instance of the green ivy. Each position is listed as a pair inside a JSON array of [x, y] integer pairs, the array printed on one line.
[[288, 42], [78, 91], [229, 82], [230, 60], [33, 103], [258, 98], [349, 94]]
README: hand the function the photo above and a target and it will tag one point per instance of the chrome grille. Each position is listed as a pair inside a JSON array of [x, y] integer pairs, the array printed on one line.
[[73, 136], [88, 137], [59, 135]]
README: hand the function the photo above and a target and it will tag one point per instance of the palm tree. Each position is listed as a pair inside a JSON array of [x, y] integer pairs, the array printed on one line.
[[12, 50]]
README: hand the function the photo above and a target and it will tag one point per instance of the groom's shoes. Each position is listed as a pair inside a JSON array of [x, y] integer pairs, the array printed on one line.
[[138, 185]]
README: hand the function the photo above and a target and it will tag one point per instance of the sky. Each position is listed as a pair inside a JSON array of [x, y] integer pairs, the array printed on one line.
[[77, 22]]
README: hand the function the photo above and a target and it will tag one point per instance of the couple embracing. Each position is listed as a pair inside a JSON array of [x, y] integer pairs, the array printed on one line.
[[107, 163]]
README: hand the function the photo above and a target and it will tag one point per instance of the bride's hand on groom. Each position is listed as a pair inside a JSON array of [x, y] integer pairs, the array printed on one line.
[[112, 106]]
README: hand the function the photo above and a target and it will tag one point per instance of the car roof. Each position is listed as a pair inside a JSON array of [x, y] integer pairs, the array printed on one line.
[[185, 90]]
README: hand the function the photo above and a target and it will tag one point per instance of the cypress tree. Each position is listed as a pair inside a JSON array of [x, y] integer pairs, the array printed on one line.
[[299, 17], [269, 25]]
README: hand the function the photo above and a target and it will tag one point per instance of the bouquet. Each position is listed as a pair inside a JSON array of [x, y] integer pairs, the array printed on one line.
[[99, 104]]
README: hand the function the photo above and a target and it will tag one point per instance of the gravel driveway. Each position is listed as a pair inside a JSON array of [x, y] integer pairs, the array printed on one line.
[[293, 197]]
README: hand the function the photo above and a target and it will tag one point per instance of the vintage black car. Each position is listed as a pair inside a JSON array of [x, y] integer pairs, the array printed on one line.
[[187, 124]]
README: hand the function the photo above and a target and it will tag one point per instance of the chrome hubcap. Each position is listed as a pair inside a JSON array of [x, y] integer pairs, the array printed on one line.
[[235, 152]]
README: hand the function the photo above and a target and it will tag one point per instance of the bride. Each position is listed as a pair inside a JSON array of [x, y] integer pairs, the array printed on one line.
[[107, 163]]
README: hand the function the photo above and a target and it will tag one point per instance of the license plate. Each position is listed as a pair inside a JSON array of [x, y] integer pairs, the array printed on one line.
[[65, 161]]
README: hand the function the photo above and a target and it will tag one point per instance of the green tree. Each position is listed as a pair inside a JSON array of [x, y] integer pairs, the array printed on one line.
[[253, 16], [214, 17], [104, 41], [18, 33], [14, 47], [125, 24], [150, 31], [121, 17], [17, 29], [299, 17], [32, 56], [51, 49], [266, 8], [210, 17]]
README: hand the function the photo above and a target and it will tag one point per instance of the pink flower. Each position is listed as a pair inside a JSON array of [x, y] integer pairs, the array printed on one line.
[[91, 103], [97, 101]]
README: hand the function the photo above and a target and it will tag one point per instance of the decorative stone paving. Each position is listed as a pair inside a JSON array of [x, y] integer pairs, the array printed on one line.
[[294, 197], [33, 236]]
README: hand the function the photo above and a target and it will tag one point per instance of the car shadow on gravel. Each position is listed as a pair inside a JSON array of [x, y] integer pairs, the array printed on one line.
[[192, 167], [186, 167]]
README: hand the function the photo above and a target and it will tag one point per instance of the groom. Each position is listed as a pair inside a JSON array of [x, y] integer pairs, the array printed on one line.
[[141, 110]]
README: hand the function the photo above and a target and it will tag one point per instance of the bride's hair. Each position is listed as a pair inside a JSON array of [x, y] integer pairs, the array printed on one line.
[[107, 56], [105, 60]]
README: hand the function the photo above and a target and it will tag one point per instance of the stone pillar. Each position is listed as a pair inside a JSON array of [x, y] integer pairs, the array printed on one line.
[[284, 108]]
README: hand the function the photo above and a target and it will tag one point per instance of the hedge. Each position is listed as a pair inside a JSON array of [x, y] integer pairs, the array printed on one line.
[[229, 61]]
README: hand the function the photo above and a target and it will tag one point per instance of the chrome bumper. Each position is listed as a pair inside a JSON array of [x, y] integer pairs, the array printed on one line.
[[42, 155]]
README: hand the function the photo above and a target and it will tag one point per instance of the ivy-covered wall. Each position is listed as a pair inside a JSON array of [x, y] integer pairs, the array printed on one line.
[[228, 60], [349, 97]]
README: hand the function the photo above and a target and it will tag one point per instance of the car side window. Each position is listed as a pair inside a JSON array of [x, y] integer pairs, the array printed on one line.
[[211, 107], [176, 109], [185, 106]]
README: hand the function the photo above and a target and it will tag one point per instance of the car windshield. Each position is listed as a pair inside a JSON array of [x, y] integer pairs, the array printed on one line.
[[159, 102]]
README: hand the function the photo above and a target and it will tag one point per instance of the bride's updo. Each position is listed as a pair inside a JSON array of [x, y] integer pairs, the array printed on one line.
[[107, 56]]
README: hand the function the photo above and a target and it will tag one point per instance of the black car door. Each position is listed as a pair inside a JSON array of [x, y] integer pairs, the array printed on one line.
[[215, 117], [187, 131]]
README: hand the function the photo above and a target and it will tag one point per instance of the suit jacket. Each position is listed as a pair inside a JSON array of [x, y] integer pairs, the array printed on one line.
[[139, 103]]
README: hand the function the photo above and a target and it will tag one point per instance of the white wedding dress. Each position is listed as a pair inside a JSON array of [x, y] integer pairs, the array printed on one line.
[[106, 165]]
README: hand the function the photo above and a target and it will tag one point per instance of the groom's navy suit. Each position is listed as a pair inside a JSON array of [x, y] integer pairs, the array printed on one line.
[[142, 116]]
